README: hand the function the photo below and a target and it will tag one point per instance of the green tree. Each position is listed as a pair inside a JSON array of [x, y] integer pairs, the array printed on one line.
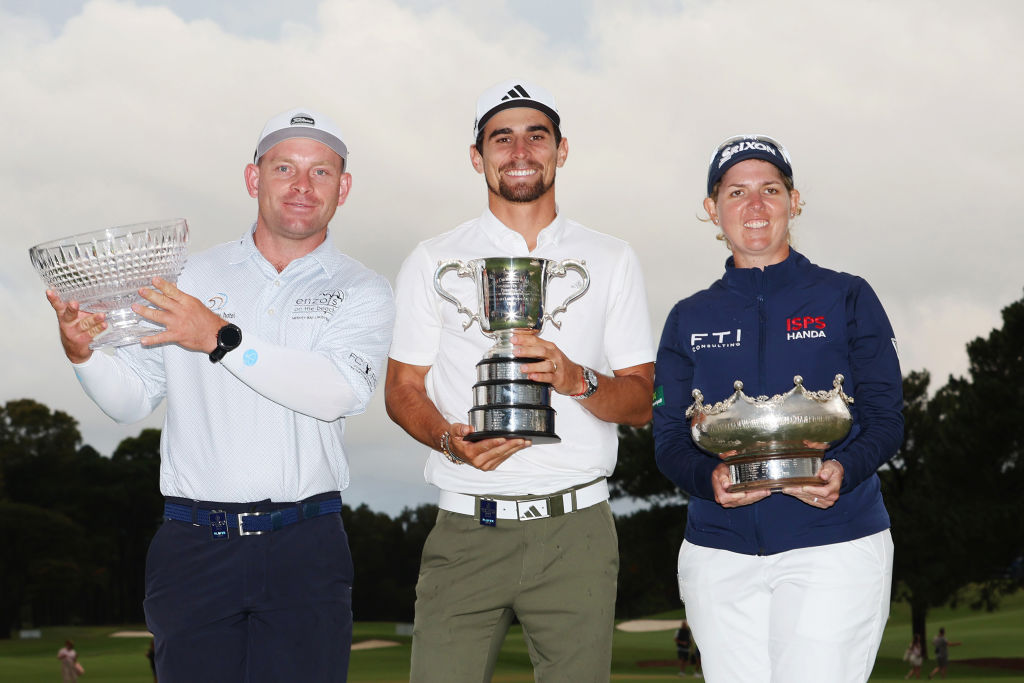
[[649, 537], [114, 503], [953, 490], [636, 474], [39, 569], [648, 550], [386, 553]]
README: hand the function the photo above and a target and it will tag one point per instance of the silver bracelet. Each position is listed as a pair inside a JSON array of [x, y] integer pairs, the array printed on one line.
[[446, 449]]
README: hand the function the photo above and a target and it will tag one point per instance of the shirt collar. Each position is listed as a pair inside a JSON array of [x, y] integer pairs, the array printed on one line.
[[772, 278], [325, 255], [510, 241]]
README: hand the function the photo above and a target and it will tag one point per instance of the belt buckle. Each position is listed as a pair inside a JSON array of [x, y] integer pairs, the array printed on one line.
[[241, 527], [532, 509]]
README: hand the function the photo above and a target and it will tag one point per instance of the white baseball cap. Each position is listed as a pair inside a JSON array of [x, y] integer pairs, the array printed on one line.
[[515, 92], [300, 123]]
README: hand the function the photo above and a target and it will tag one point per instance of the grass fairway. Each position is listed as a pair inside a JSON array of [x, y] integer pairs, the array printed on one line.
[[122, 660]]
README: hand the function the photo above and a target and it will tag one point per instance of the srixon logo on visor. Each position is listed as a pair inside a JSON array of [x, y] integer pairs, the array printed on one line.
[[744, 146]]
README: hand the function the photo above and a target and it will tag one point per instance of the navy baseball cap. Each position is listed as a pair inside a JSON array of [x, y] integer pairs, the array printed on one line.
[[512, 93], [742, 147]]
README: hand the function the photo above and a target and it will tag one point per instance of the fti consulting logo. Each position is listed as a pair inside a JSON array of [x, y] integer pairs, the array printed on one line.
[[726, 339], [318, 306]]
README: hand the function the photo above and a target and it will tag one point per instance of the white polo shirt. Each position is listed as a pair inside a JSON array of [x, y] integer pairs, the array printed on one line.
[[268, 421], [608, 328]]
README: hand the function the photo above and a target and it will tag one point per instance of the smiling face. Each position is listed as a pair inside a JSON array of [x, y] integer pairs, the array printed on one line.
[[519, 155], [299, 183], [753, 207]]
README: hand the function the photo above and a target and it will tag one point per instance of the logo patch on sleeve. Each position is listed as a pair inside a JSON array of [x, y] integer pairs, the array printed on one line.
[[364, 368], [659, 396]]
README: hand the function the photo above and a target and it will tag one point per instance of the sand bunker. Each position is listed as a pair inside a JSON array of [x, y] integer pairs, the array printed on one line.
[[131, 634], [646, 625], [373, 644]]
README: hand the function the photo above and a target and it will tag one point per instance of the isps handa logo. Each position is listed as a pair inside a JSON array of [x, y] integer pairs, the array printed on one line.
[[805, 327]]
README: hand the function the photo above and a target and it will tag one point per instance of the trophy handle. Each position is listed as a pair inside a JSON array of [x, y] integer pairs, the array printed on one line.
[[558, 270], [463, 270]]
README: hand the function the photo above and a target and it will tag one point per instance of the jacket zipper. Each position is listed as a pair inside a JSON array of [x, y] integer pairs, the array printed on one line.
[[762, 333]]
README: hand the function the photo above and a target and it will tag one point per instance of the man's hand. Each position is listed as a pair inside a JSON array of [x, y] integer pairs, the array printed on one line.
[[554, 367], [188, 322], [720, 482], [77, 327], [826, 495], [623, 397], [484, 455]]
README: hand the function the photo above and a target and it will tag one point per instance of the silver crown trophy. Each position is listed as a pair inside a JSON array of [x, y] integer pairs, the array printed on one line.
[[103, 271], [772, 442], [511, 293]]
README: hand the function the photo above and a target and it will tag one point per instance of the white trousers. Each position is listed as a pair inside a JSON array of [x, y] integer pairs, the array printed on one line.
[[805, 615]]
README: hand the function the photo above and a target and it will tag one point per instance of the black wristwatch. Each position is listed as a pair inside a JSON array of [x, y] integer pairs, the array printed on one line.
[[229, 338]]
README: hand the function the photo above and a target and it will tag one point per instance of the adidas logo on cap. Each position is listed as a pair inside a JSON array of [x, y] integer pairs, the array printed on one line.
[[514, 93], [518, 91]]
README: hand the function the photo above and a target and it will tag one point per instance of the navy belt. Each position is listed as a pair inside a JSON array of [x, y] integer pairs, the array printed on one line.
[[251, 523]]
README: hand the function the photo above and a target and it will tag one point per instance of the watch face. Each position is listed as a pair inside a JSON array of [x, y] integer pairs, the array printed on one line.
[[229, 336]]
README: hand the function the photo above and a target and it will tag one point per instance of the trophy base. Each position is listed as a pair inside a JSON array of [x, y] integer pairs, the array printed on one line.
[[773, 472], [535, 437], [536, 423], [123, 329]]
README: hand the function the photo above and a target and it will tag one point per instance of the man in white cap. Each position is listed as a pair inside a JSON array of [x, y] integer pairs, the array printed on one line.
[[270, 341], [524, 530]]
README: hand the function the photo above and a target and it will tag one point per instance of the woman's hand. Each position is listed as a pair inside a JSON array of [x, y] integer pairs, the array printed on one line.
[[721, 481], [826, 495]]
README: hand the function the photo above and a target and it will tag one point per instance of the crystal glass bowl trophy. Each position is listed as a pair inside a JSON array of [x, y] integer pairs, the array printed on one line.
[[511, 294], [770, 443], [103, 271]]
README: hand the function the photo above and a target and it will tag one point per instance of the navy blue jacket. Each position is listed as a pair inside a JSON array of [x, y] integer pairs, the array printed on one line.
[[764, 327]]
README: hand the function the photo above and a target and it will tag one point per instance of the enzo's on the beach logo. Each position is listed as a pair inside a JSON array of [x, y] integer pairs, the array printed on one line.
[[805, 327], [322, 305]]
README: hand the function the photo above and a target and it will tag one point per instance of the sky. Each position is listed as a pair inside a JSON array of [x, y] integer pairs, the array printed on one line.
[[899, 118]]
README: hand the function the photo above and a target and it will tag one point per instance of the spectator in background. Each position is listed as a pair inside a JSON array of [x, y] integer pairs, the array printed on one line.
[[941, 653], [914, 655], [69, 666]]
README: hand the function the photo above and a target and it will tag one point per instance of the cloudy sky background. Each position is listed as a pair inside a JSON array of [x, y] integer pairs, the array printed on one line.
[[902, 119]]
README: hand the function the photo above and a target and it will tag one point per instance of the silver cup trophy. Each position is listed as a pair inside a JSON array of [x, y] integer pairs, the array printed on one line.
[[511, 293], [103, 271], [772, 442]]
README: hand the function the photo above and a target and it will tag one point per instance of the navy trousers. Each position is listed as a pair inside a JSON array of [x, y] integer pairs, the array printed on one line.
[[272, 608]]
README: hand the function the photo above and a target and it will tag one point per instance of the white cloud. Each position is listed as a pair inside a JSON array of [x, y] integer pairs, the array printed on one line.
[[899, 117]]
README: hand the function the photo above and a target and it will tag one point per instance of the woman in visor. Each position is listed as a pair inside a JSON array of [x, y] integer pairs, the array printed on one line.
[[791, 585]]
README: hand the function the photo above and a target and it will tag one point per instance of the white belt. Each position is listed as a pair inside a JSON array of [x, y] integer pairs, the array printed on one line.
[[533, 507]]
